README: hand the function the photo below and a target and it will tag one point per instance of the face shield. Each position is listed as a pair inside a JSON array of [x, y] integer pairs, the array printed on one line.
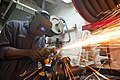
[[43, 29], [40, 24]]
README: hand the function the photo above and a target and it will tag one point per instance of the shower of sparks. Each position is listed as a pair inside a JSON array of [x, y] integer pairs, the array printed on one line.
[[111, 34]]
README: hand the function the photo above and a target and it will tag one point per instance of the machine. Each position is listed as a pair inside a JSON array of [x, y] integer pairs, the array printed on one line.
[[99, 13]]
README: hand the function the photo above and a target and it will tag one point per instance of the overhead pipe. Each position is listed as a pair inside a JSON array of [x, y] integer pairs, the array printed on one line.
[[17, 2], [9, 6]]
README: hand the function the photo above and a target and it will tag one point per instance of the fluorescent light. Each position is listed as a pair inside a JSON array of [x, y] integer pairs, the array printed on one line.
[[67, 1]]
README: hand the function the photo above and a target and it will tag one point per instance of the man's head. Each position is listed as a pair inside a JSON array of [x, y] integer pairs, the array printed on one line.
[[40, 24]]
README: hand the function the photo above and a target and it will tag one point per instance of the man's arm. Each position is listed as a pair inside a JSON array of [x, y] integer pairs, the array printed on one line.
[[13, 53]]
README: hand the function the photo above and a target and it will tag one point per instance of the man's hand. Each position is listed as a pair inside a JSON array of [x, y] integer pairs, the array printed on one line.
[[39, 54]]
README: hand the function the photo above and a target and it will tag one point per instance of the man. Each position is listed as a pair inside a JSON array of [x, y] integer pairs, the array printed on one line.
[[20, 44]]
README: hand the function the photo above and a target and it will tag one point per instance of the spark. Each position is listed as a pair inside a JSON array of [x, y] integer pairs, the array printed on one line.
[[111, 34]]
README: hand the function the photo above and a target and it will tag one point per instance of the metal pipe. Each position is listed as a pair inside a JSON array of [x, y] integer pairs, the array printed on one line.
[[76, 70], [9, 6], [17, 2], [24, 5]]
